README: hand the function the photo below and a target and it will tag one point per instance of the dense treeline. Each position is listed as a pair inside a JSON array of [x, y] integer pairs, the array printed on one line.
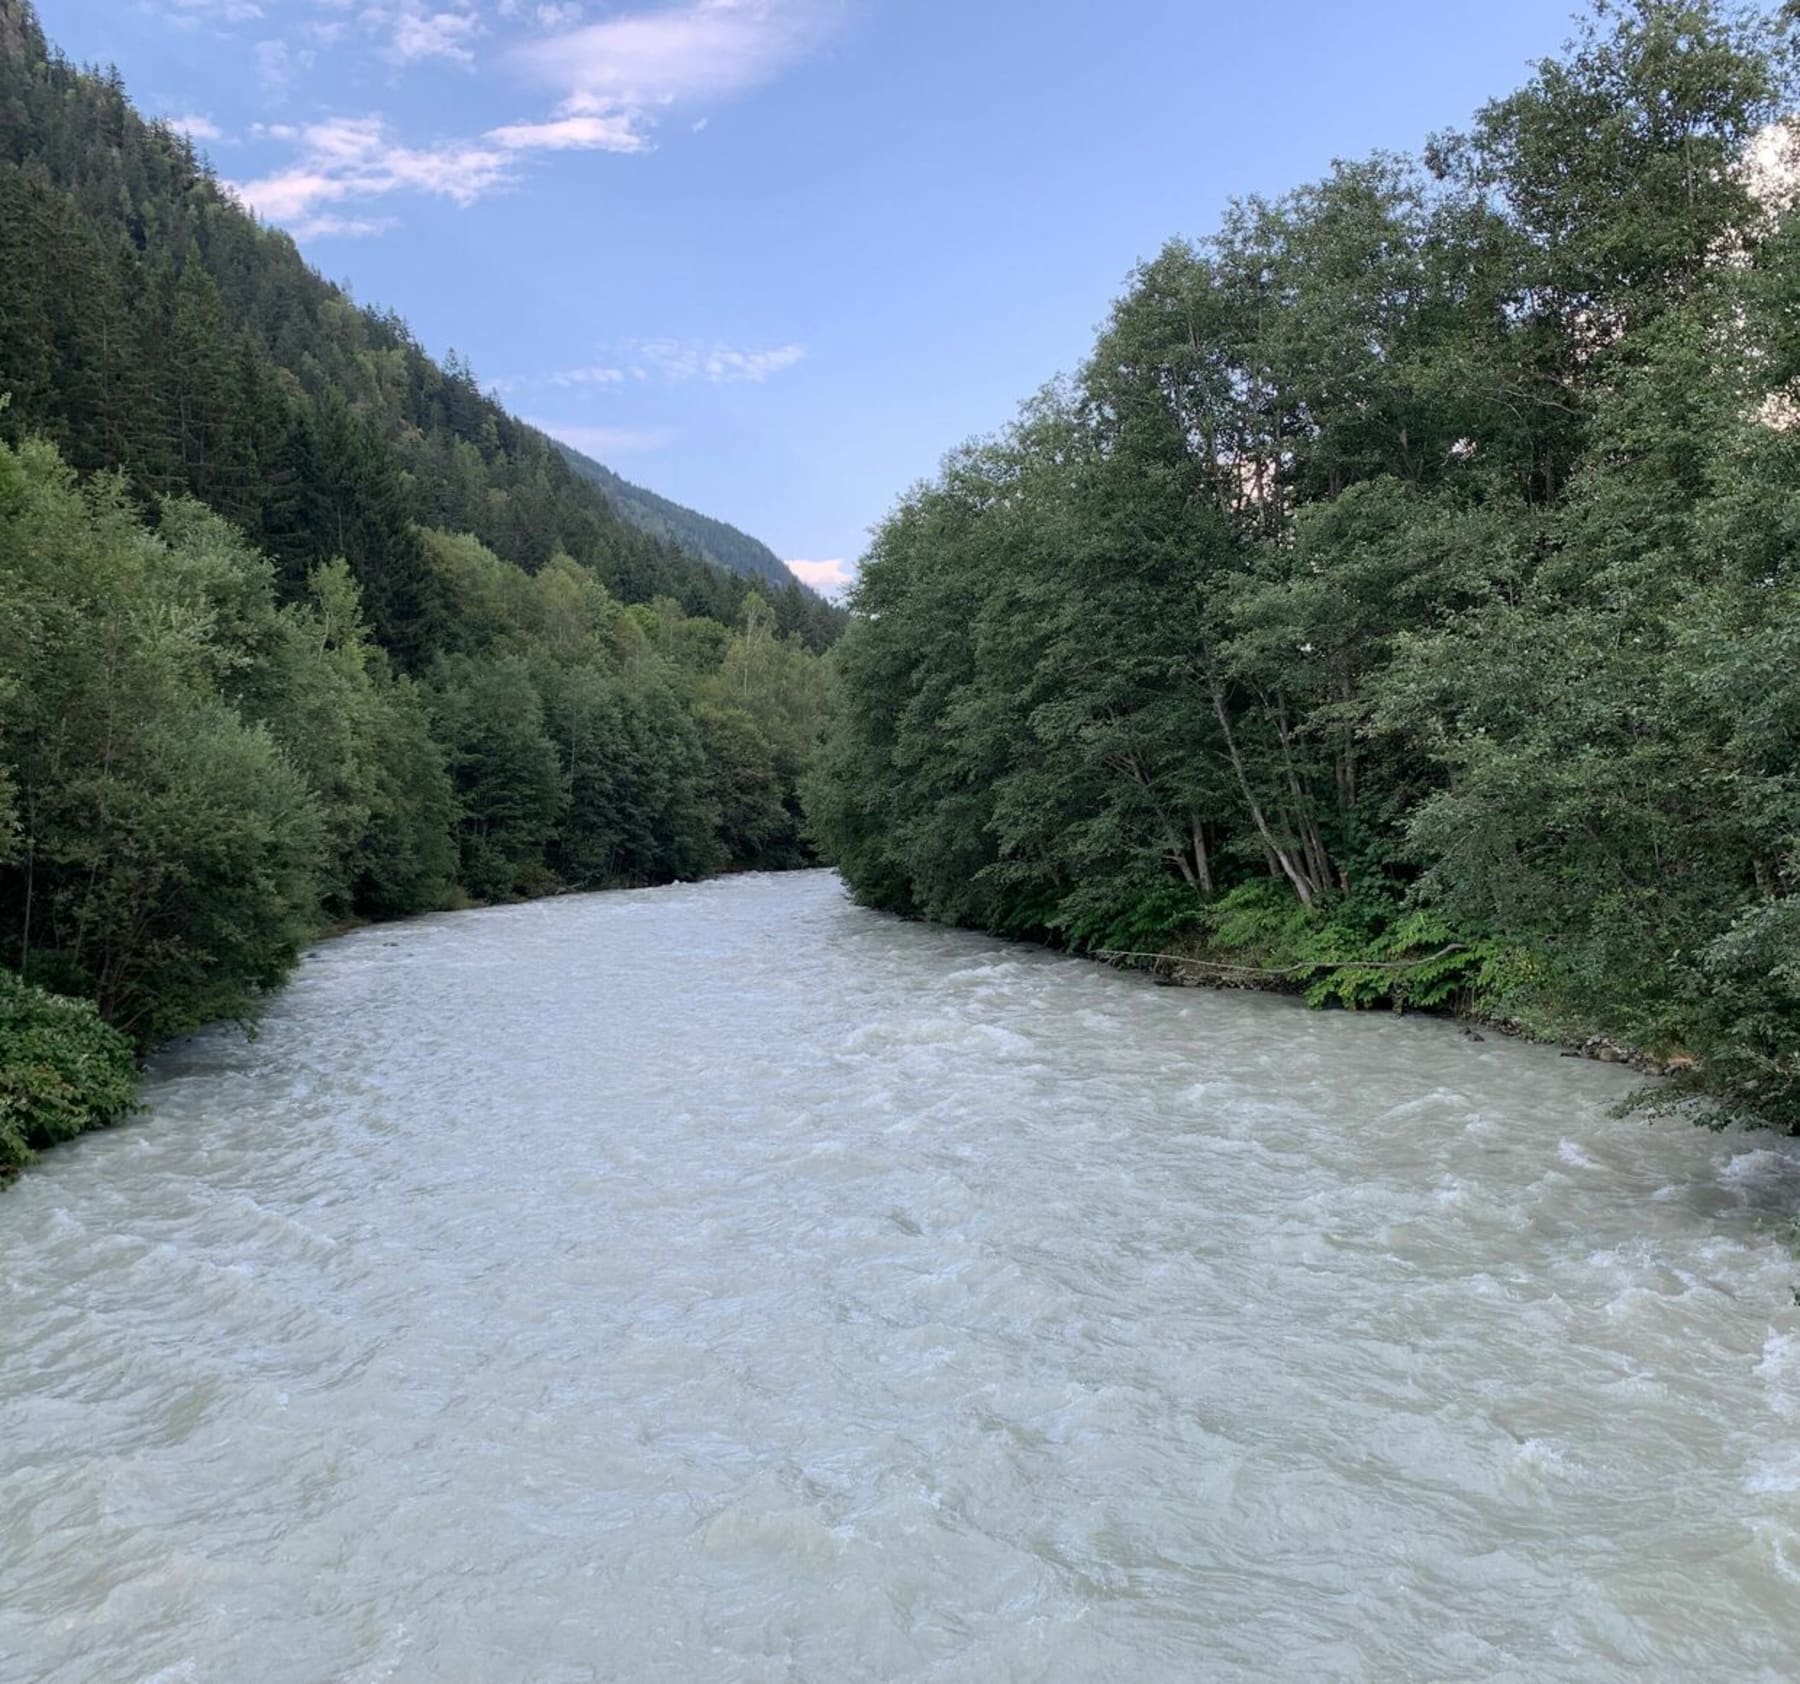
[[197, 774], [1404, 596], [297, 628]]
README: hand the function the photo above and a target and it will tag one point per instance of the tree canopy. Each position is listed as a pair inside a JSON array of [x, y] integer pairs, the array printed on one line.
[[1401, 598]]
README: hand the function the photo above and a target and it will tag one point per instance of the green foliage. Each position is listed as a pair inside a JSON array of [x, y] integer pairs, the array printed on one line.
[[490, 719], [62, 1070], [167, 852], [1105, 915], [149, 324], [1359, 953], [195, 775], [1400, 604]]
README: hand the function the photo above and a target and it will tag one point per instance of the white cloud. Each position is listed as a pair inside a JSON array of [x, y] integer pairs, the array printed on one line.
[[703, 48], [680, 360], [349, 158], [570, 134], [274, 64], [629, 67], [185, 14], [693, 359], [446, 35], [827, 577], [614, 77], [605, 441], [588, 377], [196, 127]]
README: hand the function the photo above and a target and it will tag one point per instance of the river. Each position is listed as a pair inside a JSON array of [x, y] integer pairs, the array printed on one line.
[[725, 1283]]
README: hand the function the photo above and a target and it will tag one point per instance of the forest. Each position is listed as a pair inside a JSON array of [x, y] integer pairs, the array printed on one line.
[[1401, 603], [298, 628]]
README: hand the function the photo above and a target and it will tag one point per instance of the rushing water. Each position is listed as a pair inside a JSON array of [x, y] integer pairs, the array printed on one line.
[[723, 1283]]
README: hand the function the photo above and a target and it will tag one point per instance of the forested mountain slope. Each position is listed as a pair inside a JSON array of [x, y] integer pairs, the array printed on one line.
[[297, 626], [698, 534], [1403, 600], [148, 323]]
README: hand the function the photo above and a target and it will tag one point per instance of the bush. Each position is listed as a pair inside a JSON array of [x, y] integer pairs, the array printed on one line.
[[62, 1071], [1360, 952]]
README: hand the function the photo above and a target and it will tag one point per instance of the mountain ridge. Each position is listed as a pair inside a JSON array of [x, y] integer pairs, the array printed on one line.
[[151, 324], [712, 539]]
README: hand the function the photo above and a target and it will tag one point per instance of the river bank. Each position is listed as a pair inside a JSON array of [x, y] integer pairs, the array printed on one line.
[[64, 1071], [1208, 968]]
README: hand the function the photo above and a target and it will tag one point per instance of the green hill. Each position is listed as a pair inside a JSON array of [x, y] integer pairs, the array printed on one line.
[[297, 626], [149, 323], [685, 528]]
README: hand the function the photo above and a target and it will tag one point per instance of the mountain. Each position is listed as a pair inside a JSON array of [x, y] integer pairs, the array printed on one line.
[[698, 534], [150, 324], [298, 626]]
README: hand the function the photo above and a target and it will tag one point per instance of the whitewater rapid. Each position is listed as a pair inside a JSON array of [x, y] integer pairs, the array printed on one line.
[[725, 1283]]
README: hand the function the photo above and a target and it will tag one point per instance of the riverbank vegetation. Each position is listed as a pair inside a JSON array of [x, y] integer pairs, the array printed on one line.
[[298, 628], [1402, 601]]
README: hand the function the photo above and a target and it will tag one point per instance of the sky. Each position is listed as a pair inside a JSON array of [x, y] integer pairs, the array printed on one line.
[[773, 258]]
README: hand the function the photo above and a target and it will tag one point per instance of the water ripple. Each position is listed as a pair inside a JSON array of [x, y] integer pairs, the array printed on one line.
[[722, 1283]]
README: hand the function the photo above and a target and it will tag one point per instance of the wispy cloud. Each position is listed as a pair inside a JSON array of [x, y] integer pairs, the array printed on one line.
[[196, 127], [447, 35], [830, 578], [588, 377], [350, 158], [276, 63], [615, 78], [186, 14], [326, 225], [613, 133], [677, 361], [630, 67], [692, 359]]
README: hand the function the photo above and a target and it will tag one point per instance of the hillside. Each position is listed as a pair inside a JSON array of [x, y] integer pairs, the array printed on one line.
[[698, 534], [148, 323], [297, 627]]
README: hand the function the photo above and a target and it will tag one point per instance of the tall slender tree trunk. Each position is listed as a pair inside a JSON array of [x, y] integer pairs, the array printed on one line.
[[1297, 878], [1202, 860]]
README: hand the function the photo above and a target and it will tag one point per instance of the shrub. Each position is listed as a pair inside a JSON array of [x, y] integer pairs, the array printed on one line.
[[62, 1071]]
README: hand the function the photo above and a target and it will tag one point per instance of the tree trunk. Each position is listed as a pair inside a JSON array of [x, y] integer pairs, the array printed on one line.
[[1297, 878], [1202, 860]]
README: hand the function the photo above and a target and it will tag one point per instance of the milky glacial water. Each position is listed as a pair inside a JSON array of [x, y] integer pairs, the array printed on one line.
[[726, 1283]]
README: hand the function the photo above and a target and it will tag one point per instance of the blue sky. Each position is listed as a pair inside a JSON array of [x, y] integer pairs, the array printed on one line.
[[774, 257]]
